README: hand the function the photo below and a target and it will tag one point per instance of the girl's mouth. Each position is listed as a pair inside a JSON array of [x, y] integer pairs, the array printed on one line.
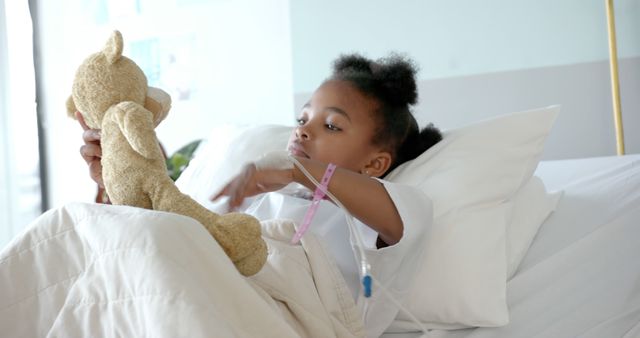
[[297, 151]]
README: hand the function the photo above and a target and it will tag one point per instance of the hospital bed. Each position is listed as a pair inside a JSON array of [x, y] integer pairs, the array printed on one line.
[[549, 250]]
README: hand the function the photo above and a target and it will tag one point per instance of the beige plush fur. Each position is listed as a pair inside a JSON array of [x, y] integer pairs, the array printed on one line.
[[111, 93]]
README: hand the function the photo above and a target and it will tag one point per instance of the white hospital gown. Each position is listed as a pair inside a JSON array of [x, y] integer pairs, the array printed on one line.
[[393, 266]]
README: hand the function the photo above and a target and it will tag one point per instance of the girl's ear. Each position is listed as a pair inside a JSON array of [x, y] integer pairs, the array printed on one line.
[[378, 164]]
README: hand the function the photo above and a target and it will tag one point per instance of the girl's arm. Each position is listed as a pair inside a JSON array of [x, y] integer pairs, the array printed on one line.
[[364, 197]]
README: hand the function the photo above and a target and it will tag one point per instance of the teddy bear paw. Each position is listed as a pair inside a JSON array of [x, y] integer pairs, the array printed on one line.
[[240, 235]]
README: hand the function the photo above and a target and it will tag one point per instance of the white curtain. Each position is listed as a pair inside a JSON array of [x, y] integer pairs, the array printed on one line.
[[20, 194]]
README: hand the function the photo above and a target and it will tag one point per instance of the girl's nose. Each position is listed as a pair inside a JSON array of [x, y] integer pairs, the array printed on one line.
[[302, 132]]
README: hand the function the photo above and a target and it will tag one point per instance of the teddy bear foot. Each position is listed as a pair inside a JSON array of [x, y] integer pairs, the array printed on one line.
[[240, 236], [252, 264]]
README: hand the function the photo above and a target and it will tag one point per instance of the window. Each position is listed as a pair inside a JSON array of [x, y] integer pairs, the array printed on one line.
[[221, 61], [20, 193]]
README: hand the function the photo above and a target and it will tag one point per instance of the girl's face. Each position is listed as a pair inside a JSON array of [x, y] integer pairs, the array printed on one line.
[[336, 126]]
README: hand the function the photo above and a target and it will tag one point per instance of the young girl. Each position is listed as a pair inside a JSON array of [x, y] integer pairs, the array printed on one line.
[[360, 120]]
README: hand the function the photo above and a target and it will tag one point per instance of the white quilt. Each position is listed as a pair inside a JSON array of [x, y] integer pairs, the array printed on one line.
[[110, 271]]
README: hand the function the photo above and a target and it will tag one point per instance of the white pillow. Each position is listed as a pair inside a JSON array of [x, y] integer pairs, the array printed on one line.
[[227, 149], [471, 176], [531, 207]]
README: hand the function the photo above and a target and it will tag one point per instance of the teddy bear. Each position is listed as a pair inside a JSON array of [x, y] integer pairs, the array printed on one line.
[[111, 93]]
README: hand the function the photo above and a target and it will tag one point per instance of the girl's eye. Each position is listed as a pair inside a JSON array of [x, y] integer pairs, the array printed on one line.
[[300, 121], [332, 127]]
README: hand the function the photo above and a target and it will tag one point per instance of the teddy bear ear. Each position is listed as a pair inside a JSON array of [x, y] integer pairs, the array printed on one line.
[[113, 48], [71, 107]]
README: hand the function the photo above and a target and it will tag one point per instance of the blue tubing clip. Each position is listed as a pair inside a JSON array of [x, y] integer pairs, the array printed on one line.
[[366, 283]]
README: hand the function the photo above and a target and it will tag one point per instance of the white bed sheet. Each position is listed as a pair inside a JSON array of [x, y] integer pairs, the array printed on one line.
[[581, 276], [87, 270]]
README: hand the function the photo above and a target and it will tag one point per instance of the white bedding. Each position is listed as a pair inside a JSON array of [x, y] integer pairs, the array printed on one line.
[[581, 276], [106, 271], [117, 271]]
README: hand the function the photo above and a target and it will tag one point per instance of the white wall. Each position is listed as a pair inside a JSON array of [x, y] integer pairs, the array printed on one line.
[[584, 127], [459, 37], [485, 58]]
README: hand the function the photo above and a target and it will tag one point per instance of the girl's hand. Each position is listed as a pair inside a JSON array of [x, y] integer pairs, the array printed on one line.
[[91, 151], [251, 181]]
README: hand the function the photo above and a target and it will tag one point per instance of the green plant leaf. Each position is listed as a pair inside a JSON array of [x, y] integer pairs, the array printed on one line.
[[179, 161]]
